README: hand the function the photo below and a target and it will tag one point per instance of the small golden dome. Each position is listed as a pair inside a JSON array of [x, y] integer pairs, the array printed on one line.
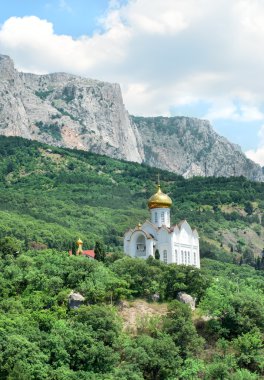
[[159, 200], [79, 242]]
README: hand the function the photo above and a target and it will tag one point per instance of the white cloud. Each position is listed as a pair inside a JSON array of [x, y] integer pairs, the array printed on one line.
[[257, 155], [165, 53], [235, 112], [35, 47]]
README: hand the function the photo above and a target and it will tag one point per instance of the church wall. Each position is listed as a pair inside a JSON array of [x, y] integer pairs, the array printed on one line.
[[149, 229], [137, 244], [185, 250], [150, 250], [164, 245], [127, 243], [160, 217]]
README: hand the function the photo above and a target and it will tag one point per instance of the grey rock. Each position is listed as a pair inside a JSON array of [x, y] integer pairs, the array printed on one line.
[[66, 110], [191, 147], [155, 297], [187, 299], [75, 300]]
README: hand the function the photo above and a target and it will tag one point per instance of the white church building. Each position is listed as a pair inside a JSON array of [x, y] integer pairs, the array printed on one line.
[[177, 244]]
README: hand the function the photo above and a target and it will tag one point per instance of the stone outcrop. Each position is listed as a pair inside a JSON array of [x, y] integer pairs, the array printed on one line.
[[187, 299], [66, 110], [75, 300]]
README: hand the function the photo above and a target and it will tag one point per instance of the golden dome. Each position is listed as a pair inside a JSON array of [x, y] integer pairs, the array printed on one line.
[[79, 242], [159, 200]]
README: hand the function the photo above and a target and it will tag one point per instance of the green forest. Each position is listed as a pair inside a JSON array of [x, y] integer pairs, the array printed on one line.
[[51, 196]]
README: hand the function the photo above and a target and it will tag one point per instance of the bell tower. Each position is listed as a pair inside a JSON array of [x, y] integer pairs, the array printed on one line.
[[159, 205]]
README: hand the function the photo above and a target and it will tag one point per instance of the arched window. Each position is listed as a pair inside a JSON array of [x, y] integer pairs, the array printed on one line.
[[141, 246], [176, 256], [162, 217], [185, 257], [156, 217], [165, 256]]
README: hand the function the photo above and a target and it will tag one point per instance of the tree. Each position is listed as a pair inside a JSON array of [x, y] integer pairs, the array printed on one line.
[[258, 263], [99, 251], [249, 208], [74, 248], [10, 246], [157, 358], [249, 350], [157, 254], [248, 257], [178, 324]]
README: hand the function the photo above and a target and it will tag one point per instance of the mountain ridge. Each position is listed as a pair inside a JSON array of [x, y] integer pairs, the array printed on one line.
[[70, 111]]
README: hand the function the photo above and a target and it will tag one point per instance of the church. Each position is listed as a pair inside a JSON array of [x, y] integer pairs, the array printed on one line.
[[177, 244]]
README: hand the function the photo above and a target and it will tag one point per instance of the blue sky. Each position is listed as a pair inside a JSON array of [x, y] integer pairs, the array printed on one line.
[[74, 17], [199, 58]]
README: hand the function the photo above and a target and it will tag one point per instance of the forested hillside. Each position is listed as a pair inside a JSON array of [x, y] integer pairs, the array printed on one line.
[[41, 338], [51, 196]]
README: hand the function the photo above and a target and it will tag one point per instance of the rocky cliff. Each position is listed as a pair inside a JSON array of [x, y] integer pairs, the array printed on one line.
[[191, 147], [67, 110]]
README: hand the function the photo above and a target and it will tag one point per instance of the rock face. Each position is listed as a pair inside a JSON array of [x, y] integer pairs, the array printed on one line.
[[187, 299], [193, 148], [75, 300], [66, 110]]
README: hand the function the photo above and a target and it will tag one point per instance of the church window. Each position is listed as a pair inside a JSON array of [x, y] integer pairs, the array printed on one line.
[[165, 257], [185, 257], [162, 217], [194, 258], [189, 260], [182, 257], [156, 217], [176, 256]]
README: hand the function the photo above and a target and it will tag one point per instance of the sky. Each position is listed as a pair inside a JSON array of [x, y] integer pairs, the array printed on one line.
[[197, 58]]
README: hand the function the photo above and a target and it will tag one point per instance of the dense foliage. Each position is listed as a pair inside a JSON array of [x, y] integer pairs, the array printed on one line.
[[50, 196], [42, 338]]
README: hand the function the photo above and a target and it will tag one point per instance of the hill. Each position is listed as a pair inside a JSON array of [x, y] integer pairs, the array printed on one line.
[[107, 338], [50, 196], [74, 112]]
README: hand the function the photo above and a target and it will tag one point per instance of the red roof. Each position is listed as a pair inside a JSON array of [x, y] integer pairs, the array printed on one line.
[[86, 252]]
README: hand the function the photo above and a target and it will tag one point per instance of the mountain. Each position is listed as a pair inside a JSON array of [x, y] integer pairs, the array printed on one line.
[[190, 147], [65, 110], [74, 112]]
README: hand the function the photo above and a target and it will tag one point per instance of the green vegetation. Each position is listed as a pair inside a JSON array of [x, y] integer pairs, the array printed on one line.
[[43, 94], [52, 129], [42, 338], [65, 113], [49, 197], [53, 195]]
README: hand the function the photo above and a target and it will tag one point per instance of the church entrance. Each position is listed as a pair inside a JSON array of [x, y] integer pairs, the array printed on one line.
[[141, 246]]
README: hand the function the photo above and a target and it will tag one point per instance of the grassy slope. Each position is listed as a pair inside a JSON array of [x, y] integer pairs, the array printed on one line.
[[52, 195]]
